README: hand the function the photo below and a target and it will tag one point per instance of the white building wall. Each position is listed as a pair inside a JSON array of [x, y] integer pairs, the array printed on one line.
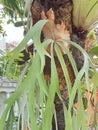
[[2, 44]]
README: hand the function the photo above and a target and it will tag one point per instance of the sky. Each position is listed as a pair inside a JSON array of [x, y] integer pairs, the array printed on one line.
[[13, 33], [14, 36]]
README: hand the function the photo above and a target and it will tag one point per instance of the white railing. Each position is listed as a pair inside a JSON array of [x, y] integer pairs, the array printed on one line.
[[7, 87]]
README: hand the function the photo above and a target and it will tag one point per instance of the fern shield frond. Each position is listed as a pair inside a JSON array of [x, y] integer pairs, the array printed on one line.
[[85, 14]]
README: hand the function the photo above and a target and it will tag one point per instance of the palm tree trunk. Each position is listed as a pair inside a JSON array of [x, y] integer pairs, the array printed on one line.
[[63, 12]]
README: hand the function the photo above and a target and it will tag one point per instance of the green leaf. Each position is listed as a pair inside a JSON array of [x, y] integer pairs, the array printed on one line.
[[81, 113], [94, 50], [31, 105], [91, 34], [48, 114], [42, 83], [79, 12], [64, 68], [3, 118], [92, 16], [11, 119], [36, 37], [19, 23], [71, 59], [85, 14], [34, 33], [94, 79], [27, 6]]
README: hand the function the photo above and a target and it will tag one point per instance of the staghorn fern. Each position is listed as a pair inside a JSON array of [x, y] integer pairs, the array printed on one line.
[[34, 76]]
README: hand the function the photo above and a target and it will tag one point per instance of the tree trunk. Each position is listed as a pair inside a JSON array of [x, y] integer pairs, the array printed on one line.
[[63, 12]]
